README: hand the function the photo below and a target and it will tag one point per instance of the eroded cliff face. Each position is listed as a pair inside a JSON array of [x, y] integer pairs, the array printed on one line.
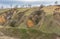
[[15, 17], [56, 17], [56, 14], [35, 18], [6, 16], [11, 16]]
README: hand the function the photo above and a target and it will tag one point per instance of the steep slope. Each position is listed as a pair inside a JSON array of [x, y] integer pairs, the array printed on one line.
[[50, 9], [52, 22], [21, 14], [45, 28]]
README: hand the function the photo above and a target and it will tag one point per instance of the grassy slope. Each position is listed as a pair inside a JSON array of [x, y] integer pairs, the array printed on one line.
[[31, 10], [49, 9], [45, 29], [27, 33]]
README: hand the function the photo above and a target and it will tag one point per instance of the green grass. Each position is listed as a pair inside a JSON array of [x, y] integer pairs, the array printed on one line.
[[49, 26], [3, 10], [27, 33]]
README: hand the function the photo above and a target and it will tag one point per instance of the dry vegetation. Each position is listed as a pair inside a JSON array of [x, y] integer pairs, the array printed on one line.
[[31, 23]]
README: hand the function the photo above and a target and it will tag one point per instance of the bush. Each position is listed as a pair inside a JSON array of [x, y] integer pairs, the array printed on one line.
[[12, 23]]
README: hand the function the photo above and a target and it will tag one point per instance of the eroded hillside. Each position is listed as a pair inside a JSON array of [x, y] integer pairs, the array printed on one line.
[[27, 16], [31, 23]]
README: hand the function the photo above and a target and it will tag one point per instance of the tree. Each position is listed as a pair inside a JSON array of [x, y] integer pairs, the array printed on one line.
[[29, 5], [1, 7], [41, 6], [12, 23], [56, 2], [16, 6], [11, 6], [22, 6]]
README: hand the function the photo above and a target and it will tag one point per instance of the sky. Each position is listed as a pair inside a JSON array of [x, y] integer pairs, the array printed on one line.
[[8, 3]]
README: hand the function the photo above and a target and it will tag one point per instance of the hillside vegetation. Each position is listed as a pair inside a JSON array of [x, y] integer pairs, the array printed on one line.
[[31, 23]]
